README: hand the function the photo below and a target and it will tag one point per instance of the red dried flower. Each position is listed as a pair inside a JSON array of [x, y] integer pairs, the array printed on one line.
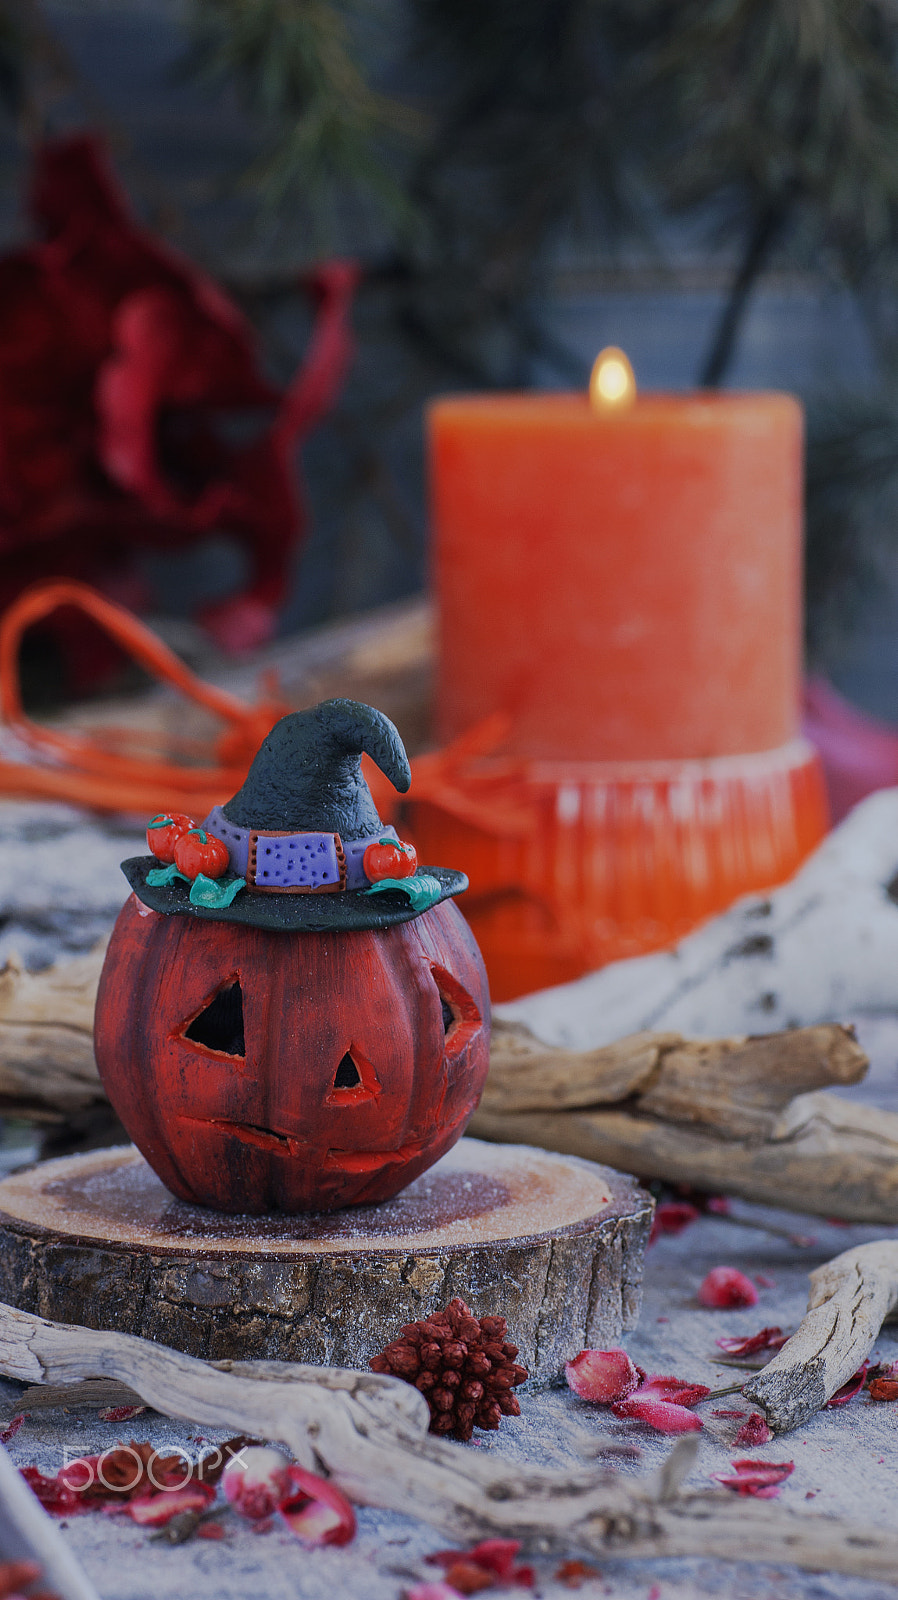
[[463, 1365], [754, 1431], [726, 1289], [118, 357], [883, 1389], [767, 1339]]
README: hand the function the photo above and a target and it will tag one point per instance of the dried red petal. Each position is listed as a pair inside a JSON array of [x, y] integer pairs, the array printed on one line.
[[762, 1479], [315, 1510], [672, 1217], [12, 1428], [755, 1431], [662, 1415], [52, 1494], [726, 1289], [848, 1390], [16, 1574], [767, 1339], [469, 1577], [121, 1413], [661, 1387], [883, 1389], [158, 1509], [210, 1530], [604, 1376], [495, 1557], [573, 1574], [431, 1591]]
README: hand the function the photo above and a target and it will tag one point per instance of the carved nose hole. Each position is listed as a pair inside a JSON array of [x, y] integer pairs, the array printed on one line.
[[347, 1075], [219, 1026]]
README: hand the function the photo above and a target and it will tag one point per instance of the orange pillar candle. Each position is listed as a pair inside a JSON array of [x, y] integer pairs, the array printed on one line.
[[620, 579], [623, 583]]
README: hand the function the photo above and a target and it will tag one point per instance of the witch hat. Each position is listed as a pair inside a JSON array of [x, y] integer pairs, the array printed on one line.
[[297, 831]]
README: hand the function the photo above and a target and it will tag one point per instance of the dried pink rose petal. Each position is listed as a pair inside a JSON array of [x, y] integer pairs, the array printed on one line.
[[255, 1480], [849, 1389], [762, 1479], [121, 1413], [602, 1375], [156, 1510], [726, 1289], [315, 1510], [754, 1431], [12, 1428], [767, 1339], [662, 1387], [663, 1415]]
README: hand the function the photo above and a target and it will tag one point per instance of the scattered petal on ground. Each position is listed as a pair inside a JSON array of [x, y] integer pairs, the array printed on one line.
[[849, 1389], [766, 1339], [315, 1510], [755, 1431], [726, 1289], [602, 1375], [762, 1479], [659, 1414]]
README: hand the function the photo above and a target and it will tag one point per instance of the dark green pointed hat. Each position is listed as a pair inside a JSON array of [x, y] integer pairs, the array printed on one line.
[[297, 832]]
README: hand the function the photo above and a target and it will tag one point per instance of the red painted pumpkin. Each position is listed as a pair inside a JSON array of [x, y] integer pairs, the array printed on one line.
[[260, 1070]]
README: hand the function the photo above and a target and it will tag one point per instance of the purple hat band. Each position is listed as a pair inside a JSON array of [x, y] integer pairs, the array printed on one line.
[[309, 863]]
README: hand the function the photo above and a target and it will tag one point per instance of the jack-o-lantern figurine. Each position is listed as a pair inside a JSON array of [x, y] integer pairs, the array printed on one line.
[[291, 1016]]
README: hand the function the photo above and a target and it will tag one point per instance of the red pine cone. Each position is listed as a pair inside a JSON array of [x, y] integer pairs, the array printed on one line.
[[463, 1366]]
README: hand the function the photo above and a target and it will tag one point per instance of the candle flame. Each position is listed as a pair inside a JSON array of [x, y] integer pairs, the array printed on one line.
[[612, 385]]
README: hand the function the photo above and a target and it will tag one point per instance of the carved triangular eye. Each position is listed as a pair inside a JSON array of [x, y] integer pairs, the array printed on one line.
[[355, 1080], [461, 1017], [219, 1026], [347, 1075], [449, 1016]]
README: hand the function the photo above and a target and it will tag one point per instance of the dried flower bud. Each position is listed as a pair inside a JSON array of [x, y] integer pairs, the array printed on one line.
[[254, 1481]]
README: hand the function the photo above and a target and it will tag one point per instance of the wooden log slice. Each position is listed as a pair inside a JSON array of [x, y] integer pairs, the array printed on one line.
[[553, 1243]]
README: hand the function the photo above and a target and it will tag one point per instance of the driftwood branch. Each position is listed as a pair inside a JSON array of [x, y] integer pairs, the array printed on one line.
[[369, 1433], [850, 1299], [47, 1067], [744, 1116]]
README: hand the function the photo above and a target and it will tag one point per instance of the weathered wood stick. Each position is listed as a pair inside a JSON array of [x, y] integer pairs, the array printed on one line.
[[825, 1154], [736, 1086], [369, 1434], [47, 1067], [851, 1296]]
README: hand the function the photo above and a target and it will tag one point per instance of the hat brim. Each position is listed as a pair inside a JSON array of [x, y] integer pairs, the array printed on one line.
[[290, 913]]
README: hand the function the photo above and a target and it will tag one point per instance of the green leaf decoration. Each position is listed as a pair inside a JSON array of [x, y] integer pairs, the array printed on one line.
[[214, 891], [422, 890], [161, 877]]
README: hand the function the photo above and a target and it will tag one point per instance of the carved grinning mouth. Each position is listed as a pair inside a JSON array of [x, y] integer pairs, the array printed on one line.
[[284, 1144]]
